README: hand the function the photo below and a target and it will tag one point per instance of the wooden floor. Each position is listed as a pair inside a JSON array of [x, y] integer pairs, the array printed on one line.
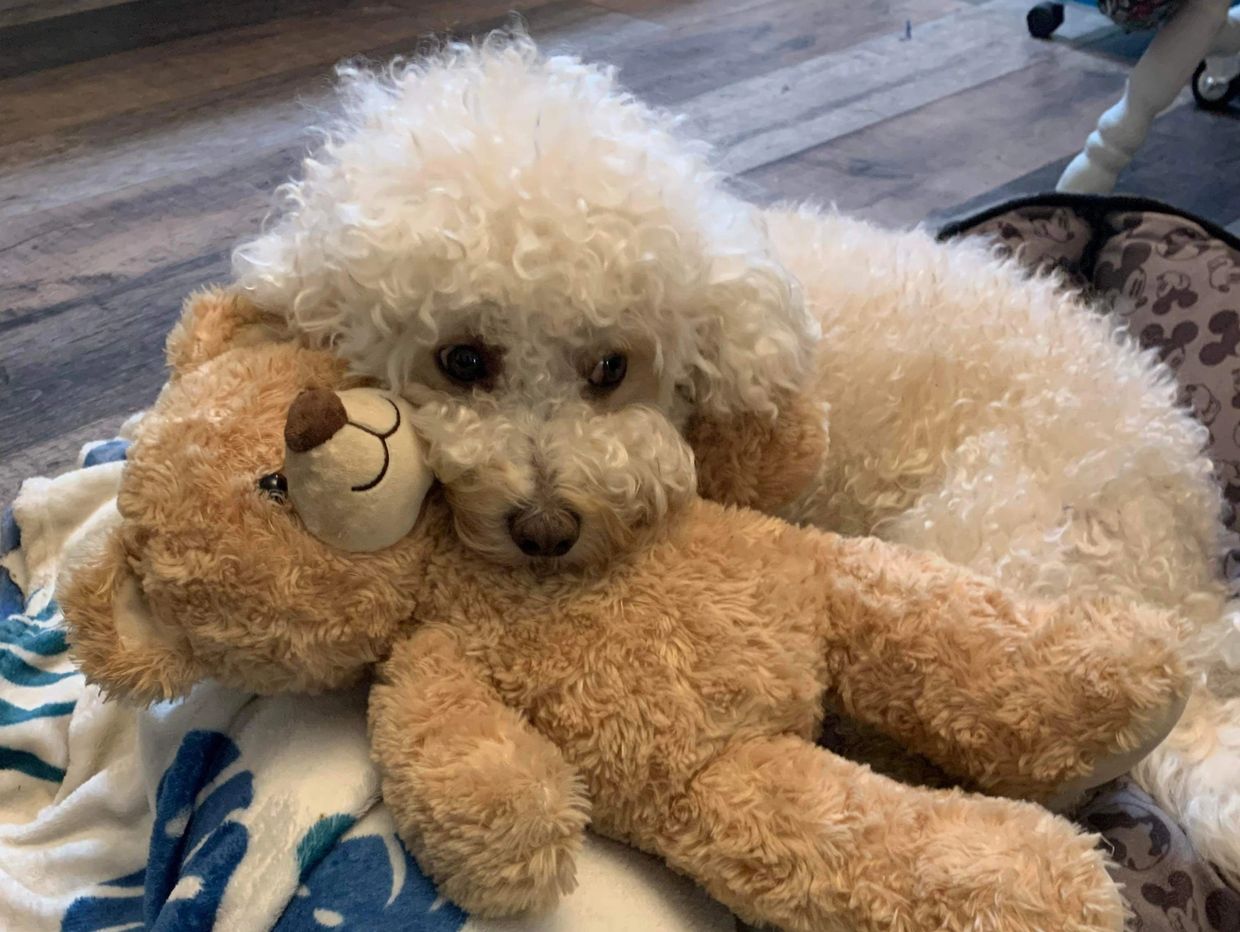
[[124, 179]]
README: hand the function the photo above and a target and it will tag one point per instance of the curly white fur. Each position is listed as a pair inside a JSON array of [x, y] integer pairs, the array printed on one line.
[[492, 195]]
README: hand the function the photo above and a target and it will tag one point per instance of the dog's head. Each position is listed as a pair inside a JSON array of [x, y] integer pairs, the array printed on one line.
[[553, 276], [262, 531]]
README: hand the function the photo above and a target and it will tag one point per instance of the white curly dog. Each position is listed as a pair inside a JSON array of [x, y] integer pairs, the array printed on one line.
[[560, 281]]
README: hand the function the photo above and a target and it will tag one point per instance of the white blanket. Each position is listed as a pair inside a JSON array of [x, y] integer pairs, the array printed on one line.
[[224, 810]]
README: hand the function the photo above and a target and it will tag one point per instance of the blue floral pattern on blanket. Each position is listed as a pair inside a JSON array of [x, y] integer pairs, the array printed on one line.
[[195, 847], [367, 882]]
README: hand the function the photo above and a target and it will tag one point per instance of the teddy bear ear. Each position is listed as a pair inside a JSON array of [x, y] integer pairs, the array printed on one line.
[[748, 459], [116, 639], [216, 320]]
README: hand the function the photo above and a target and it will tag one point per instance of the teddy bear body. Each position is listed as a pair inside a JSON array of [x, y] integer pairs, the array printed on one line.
[[734, 646], [687, 702], [669, 699]]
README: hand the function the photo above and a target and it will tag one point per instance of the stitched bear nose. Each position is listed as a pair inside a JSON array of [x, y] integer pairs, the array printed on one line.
[[313, 419], [544, 532]]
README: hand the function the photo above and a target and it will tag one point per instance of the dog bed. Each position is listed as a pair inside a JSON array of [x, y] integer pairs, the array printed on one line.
[[1173, 280]]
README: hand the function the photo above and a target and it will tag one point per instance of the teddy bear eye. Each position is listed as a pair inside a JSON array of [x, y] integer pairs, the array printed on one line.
[[274, 486]]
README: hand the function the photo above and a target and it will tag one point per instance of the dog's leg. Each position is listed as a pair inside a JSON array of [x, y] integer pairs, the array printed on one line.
[[1195, 773]]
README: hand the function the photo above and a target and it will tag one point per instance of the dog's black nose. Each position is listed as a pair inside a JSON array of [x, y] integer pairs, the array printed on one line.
[[544, 531]]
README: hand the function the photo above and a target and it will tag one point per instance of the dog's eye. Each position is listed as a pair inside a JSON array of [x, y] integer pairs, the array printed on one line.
[[609, 371], [274, 486], [463, 363]]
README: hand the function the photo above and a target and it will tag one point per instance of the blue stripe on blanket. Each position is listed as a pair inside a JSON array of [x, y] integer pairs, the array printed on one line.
[[92, 913], [10, 595], [10, 533], [180, 830], [316, 842], [20, 673], [33, 638], [13, 715], [29, 764]]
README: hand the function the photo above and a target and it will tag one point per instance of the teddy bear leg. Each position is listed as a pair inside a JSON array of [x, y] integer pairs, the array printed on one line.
[[488, 806], [789, 835]]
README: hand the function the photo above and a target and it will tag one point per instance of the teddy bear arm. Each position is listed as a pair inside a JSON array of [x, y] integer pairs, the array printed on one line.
[[789, 835], [1020, 698], [487, 805]]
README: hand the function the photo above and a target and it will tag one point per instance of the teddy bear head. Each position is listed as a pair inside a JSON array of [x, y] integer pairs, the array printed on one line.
[[262, 529]]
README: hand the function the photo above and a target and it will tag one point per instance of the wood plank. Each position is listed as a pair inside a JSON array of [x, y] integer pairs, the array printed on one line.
[[792, 109], [707, 45], [51, 456], [80, 160], [901, 170], [168, 142], [13, 12], [211, 127], [96, 247], [96, 358], [92, 92], [48, 43]]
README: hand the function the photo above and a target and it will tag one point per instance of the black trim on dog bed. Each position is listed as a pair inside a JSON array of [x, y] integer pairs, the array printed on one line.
[[1090, 206], [1093, 209]]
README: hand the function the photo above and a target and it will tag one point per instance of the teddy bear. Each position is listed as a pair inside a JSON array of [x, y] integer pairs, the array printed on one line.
[[278, 530]]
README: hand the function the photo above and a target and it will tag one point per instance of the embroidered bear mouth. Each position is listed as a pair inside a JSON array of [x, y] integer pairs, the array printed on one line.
[[382, 437]]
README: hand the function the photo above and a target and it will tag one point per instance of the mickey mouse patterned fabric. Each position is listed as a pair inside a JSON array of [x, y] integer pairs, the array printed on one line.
[[1168, 886], [1175, 281]]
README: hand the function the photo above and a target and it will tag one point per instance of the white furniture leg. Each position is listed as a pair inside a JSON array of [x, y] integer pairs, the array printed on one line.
[[1223, 62], [1164, 69]]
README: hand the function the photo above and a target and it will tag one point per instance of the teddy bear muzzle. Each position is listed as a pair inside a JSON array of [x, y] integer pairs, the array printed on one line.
[[355, 468]]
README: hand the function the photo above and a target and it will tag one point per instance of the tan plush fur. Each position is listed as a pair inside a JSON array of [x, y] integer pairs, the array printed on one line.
[[669, 699]]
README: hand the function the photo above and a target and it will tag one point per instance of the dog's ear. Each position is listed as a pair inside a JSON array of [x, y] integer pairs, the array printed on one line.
[[756, 342], [213, 321], [117, 640]]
